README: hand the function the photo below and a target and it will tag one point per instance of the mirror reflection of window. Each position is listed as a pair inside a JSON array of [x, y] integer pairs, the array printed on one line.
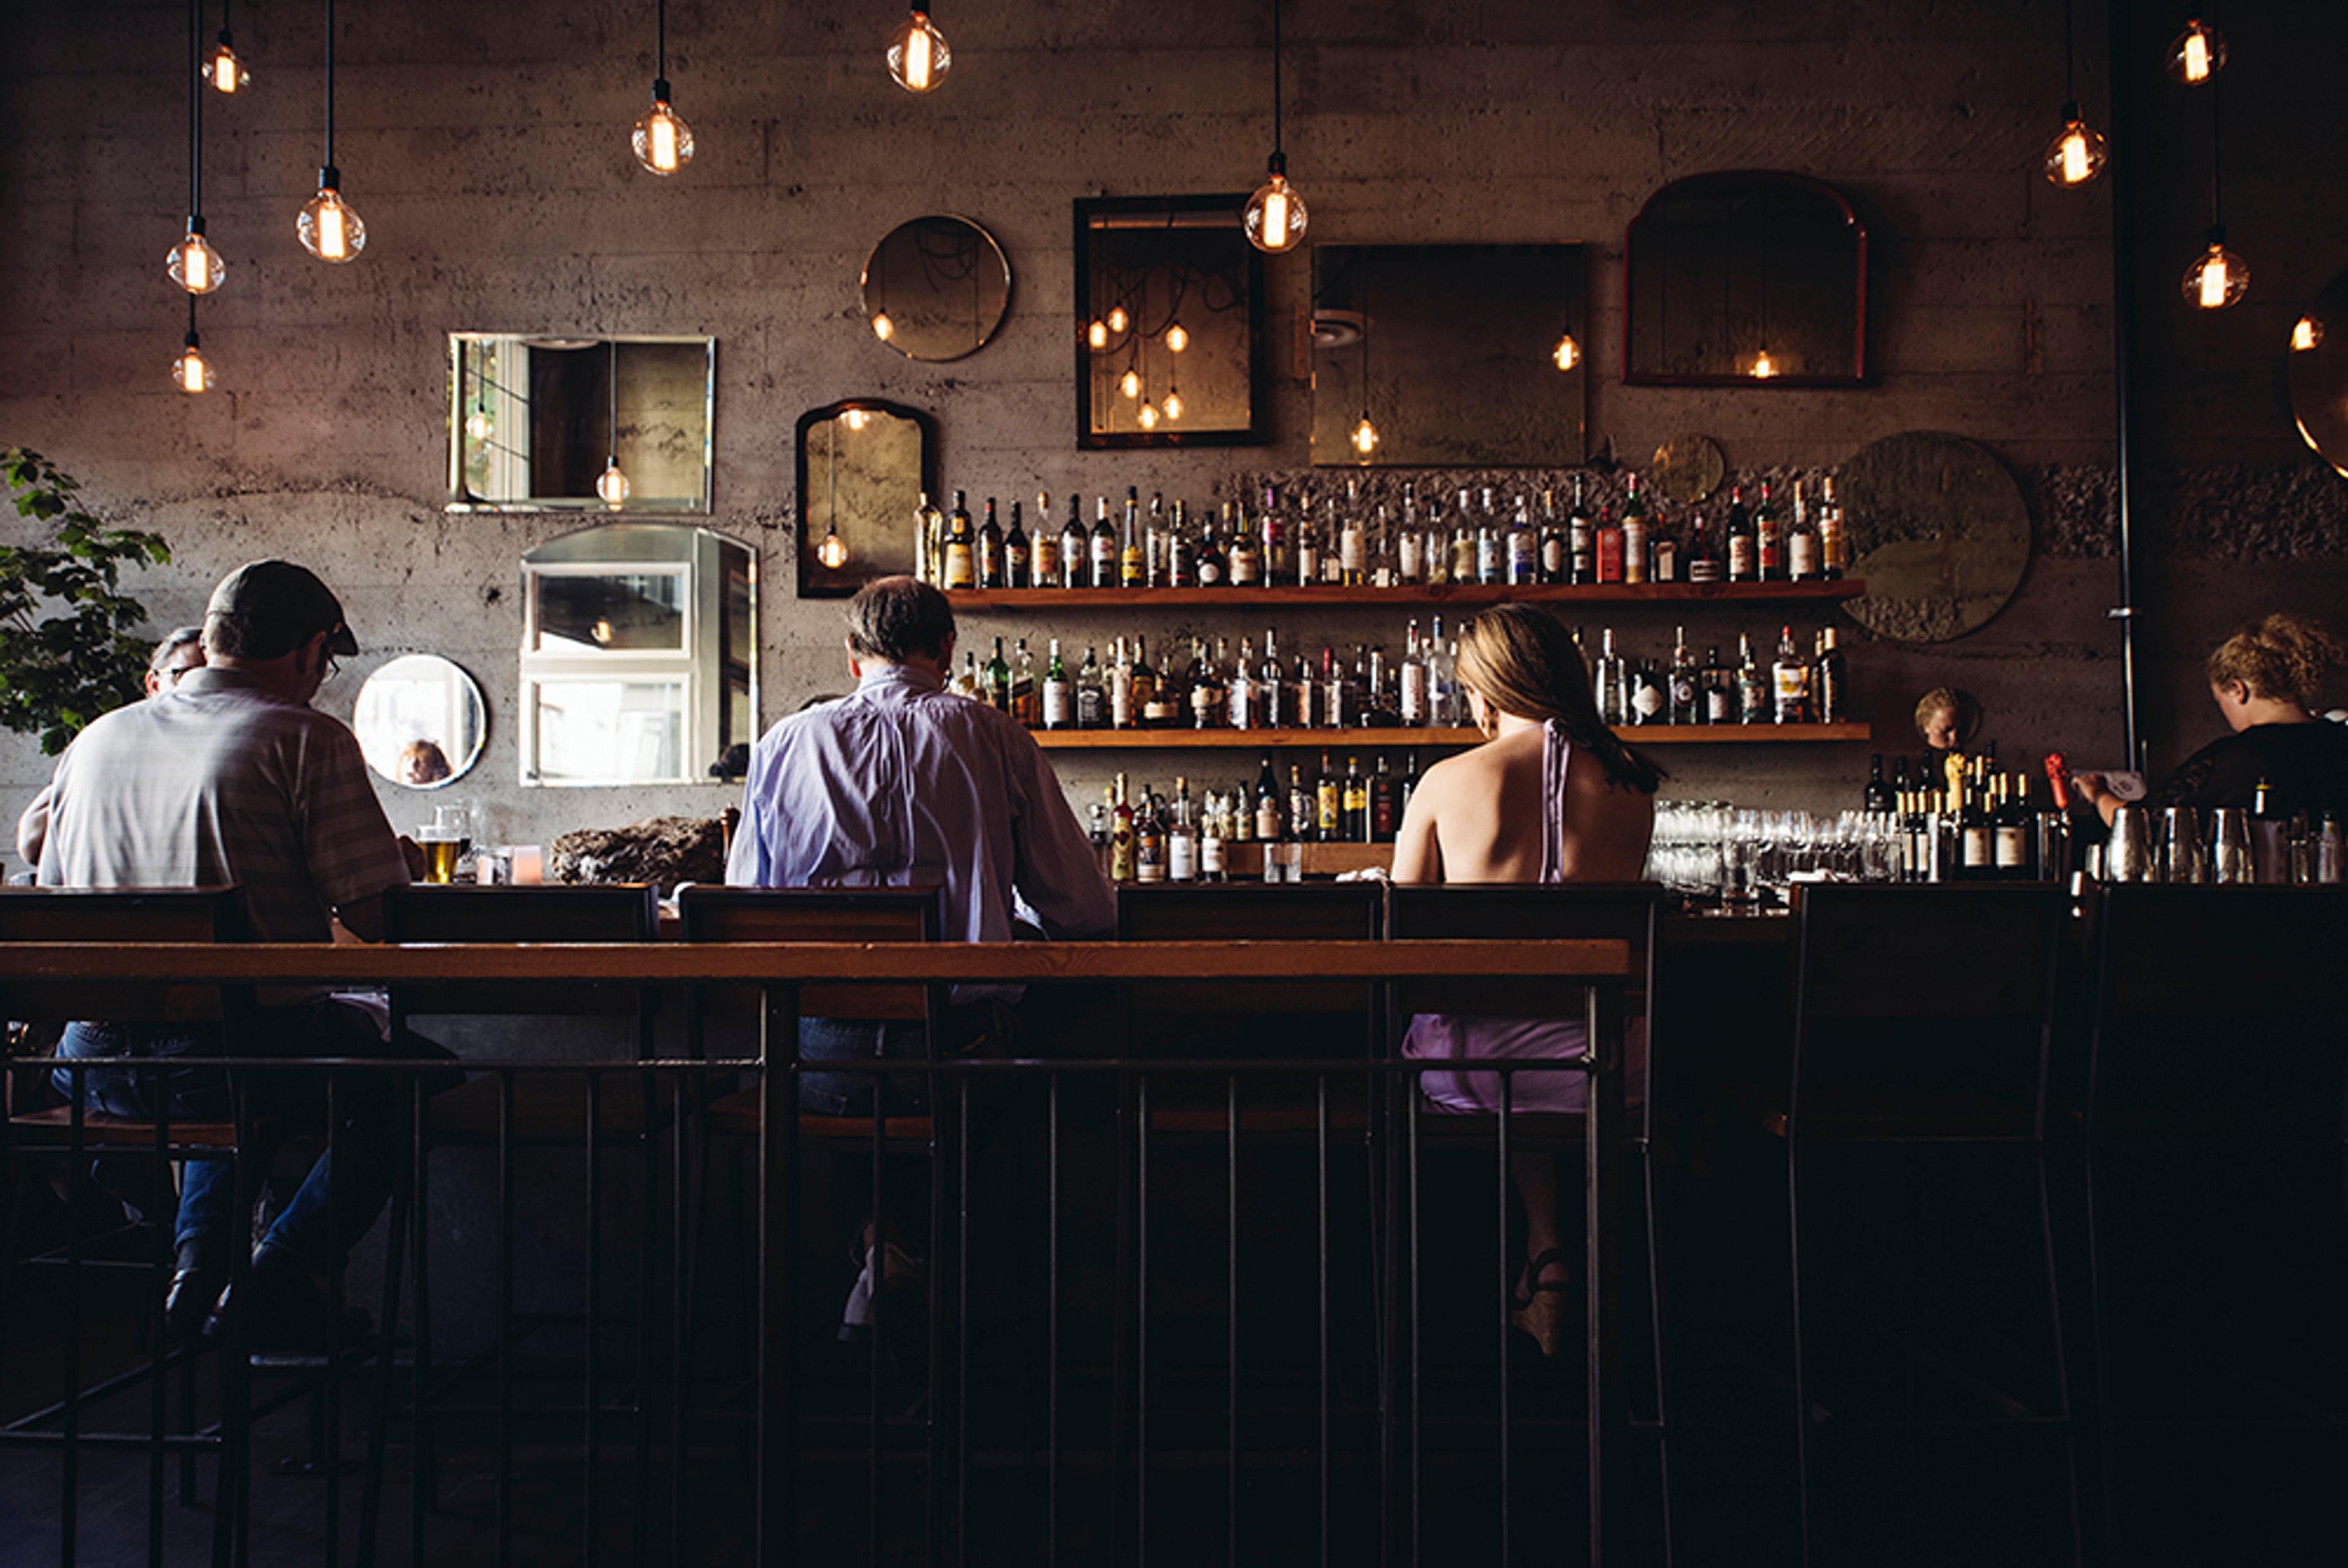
[[624, 613], [534, 420], [609, 732]]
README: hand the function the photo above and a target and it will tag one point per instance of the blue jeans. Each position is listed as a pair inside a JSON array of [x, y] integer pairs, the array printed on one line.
[[850, 1093], [366, 1140]]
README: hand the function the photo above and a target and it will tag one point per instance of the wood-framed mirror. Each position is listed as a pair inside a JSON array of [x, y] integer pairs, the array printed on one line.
[[1746, 278], [864, 467], [1169, 323]]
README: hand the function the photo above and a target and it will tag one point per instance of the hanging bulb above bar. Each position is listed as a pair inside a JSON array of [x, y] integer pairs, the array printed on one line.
[[2198, 53], [2077, 154], [192, 372], [918, 56], [2217, 278], [1567, 353]]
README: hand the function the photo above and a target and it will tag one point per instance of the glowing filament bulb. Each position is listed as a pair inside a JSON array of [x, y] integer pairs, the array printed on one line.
[[2217, 278], [1274, 219], [329, 227], [1764, 367], [1567, 353], [1177, 339], [1117, 320], [1148, 416], [192, 372], [855, 418], [223, 72], [1097, 334], [2213, 283], [193, 264], [1173, 404], [661, 141], [601, 632], [2076, 155], [1366, 436], [833, 551], [612, 486], [1130, 384], [2198, 53], [882, 327], [918, 56], [2306, 336], [478, 425]]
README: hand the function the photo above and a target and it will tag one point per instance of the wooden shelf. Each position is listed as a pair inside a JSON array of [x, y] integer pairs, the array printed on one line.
[[1341, 740], [1463, 595]]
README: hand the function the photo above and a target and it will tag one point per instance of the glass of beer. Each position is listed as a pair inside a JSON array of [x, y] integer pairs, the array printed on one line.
[[442, 842]]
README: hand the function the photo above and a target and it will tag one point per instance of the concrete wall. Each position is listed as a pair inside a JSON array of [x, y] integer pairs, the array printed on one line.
[[486, 148]]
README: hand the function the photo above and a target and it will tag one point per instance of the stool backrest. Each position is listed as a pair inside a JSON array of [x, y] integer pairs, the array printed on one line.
[[98, 916], [1221, 1018], [1618, 911], [2218, 1015], [1904, 991], [424, 912], [816, 915]]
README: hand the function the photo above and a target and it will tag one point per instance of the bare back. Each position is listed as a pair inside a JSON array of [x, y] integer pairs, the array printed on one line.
[[1478, 817]]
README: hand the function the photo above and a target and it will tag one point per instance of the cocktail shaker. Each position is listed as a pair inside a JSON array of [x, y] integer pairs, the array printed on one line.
[[2127, 853]]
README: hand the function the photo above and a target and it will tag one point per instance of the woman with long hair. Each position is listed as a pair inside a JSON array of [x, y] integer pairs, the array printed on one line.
[[1553, 796]]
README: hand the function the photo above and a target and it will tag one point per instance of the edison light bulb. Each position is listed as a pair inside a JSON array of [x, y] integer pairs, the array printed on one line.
[[478, 425], [663, 142], [223, 72], [1764, 367], [882, 327], [1173, 404], [2077, 154], [1130, 384], [1177, 339], [2217, 278], [330, 226], [833, 551], [192, 371], [1148, 416], [613, 485], [2198, 53], [193, 264], [918, 56], [1097, 334], [1274, 219], [601, 632], [1117, 320], [855, 418], [2306, 336], [1366, 436], [1567, 353]]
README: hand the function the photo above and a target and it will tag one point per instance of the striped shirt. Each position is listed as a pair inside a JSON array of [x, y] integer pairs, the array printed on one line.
[[215, 782]]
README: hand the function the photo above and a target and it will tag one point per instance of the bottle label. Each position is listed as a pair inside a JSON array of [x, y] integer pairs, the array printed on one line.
[[1414, 694], [1241, 703], [1802, 557], [1211, 570], [1977, 850], [1349, 551], [1267, 820], [1831, 546], [1740, 558], [1055, 704], [1646, 701], [1487, 559], [1103, 562], [1683, 693], [1148, 867], [1667, 562], [1553, 558], [1244, 568], [1635, 552], [1716, 705], [1414, 556], [1703, 568], [2013, 847], [1121, 701], [1206, 703], [1120, 853], [1610, 555], [1210, 858], [958, 567], [1181, 859], [1773, 550]]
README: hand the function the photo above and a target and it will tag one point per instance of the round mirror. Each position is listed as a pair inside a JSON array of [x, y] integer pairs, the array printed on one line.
[[1688, 468], [935, 288], [1939, 530], [420, 722], [2319, 374]]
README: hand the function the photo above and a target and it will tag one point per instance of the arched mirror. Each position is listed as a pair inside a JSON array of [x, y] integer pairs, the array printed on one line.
[[1744, 279], [420, 722], [863, 467], [2319, 374], [935, 288]]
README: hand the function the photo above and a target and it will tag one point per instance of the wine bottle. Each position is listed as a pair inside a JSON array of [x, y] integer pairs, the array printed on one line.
[[1581, 544], [998, 681], [1686, 707], [1043, 546], [1018, 563], [1769, 538], [1076, 567], [1104, 546], [1744, 558], [991, 573], [1059, 704]]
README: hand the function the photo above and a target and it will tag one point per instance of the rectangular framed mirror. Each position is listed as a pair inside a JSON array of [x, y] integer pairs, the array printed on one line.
[[1456, 356], [535, 421], [1169, 323]]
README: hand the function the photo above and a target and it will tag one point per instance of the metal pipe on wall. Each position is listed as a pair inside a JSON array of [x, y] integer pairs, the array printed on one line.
[[2122, 168]]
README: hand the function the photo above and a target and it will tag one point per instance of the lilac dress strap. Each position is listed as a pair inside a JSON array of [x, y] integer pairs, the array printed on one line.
[[1556, 752]]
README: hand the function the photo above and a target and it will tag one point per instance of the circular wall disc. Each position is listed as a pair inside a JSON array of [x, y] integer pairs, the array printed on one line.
[[1939, 530], [1688, 468]]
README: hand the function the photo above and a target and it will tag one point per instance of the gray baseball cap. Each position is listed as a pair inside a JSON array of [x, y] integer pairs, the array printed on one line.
[[291, 595]]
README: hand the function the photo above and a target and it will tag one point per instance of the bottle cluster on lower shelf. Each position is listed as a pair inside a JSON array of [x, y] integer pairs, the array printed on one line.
[[1260, 690], [1492, 542], [1146, 837]]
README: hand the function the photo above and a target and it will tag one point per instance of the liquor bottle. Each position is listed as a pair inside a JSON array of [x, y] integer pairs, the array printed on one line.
[[1305, 707], [1385, 804], [962, 547], [1092, 696], [1581, 543], [1607, 681], [1744, 560], [1524, 549], [926, 565], [1168, 705], [1181, 551], [1413, 705], [1831, 545], [1410, 542], [1026, 697], [1210, 698], [1244, 564], [1304, 806], [1018, 560], [1610, 545], [1339, 710], [1075, 567], [1801, 542], [1207, 562], [1153, 543], [1059, 696], [1097, 833], [1181, 835], [967, 683], [1647, 703], [1769, 534], [1122, 714], [1410, 787], [1463, 542], [2013, 838], [1043, 546], [1103, 545], [1687, 706], [1635, 543], [1976, 836], [1491, 559], [1827, 683], [1663, 551], [1703, 559], [1752, 692], [1239, 691], [1353, 805], [1552, 541], [1270, 826], [1878, 793], [1121, 836], [998, 681], [1141, 682], [1275, 705], [1352, 542], [1437, 546], [1328, 804], [1214, 830], [1443, 702], [1383, 573], [1719, 690], [1133, 566], [991, 572], [1150, 840], [1273, 541], [1789, 678]]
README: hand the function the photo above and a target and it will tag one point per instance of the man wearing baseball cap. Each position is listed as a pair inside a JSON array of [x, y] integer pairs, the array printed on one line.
[[230, 777]]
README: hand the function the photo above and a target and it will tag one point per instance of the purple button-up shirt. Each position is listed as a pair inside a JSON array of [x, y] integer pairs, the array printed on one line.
[[904, 783]]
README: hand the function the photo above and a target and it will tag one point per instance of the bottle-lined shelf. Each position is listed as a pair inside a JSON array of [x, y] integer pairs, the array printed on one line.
[[1338, 740], [1465, 593]]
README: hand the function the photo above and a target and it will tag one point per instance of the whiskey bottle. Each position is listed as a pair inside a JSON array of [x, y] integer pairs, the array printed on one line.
[[1092, 697], [1133, 565], [1789, 678], [962, 547]]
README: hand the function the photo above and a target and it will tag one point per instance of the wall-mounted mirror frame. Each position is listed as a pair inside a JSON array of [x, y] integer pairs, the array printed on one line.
[[1159, 262], [639, 655], [936, 288], [420, 721], [2318, 374], [534, 416], [1460, 347], [863, 465], [1745, 278]]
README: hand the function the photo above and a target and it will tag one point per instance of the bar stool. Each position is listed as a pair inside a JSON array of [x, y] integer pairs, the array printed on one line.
[[1923, 1019], [35, 1129], [1625, 912], [508, 1111]]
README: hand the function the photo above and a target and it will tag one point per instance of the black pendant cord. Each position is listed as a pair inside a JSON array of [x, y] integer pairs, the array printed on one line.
[[2124, 356], [2070, 55], [611, 406], [660, 50], [191, 320], [2216, 204], [330, 84], [195, 112], [1279, 147]]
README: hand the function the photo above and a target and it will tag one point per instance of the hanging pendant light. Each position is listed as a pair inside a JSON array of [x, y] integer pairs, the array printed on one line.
[[1276, 217], [1762, 367], [1130, 384], [2077, 154], [478, 425], [1177, 338], [2217, 278], [2198, 53], [918, 56], [2306, 335], [1148, 417], [612, 486], [223, 71], [1567, 353], [1365, 436], [329, 227], [833, 551], [662, 141], [192, 372], [1172, 403], [193, 264]]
